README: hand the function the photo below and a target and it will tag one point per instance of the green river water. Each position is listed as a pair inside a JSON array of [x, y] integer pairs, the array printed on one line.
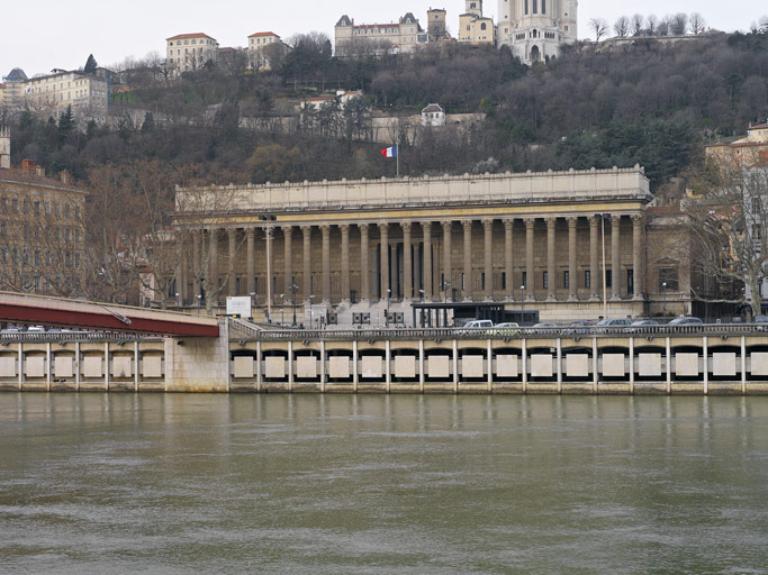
[[378, 485]]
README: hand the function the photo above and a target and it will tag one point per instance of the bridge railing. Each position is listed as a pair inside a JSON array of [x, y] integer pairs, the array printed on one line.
[[73, 337], [442, 334]]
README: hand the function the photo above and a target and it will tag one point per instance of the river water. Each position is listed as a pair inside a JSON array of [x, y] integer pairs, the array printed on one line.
[[379, 485]]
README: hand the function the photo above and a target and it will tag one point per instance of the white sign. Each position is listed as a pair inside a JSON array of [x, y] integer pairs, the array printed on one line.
[[240, 307]]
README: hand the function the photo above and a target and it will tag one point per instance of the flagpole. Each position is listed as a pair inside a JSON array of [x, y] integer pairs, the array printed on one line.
[[397, 153]]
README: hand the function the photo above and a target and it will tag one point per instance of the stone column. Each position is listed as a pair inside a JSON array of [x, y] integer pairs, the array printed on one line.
[[250, 254], [427, 271], [212, 281], [573, 272], [196, 240], [551, 264], [232, 255], [180, 268], [594, 258], [468, 286], [384, 235], [509, 269], [530, 263], [407, 261], [488, 247], [326, 257], [307, 252], [616, 256], [447, 271], [288, 262], [637, 255], [365, 272], [345, 289]]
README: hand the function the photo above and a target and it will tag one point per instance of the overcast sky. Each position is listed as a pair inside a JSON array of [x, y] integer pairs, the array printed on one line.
[[39, 35]]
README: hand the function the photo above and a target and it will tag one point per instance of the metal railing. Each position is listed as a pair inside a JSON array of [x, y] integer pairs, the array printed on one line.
[[72, 337], [443, 334]]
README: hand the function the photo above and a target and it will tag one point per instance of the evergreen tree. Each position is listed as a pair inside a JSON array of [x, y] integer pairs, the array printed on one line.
[[90, 65], [66, 125], [149, 123]]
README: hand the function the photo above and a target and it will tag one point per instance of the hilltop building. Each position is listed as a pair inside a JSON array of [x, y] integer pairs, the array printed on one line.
[[378, 39], [190, 52], [437, 28], [474, 28], [52, 94], [260, 47], [536, 29], [747, 152]]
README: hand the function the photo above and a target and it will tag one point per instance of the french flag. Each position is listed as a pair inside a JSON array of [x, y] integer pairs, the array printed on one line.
[[390, 152]]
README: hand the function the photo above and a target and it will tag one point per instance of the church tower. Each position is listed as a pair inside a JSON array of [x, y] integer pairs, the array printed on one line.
[[5, 147], [535, 29], [474, 7]]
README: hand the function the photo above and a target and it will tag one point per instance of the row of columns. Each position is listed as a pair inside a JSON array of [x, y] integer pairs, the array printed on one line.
[[427, 227]]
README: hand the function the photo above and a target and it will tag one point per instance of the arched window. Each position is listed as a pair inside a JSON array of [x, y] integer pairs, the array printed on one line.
[[483, 26]]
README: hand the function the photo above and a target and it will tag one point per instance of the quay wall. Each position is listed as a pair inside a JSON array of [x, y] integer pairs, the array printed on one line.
[[708, 361]]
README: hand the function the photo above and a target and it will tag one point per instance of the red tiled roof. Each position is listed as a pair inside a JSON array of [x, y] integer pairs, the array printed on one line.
[[263, 34], [188, 36]]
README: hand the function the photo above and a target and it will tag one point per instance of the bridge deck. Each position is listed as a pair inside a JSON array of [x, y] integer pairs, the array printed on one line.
[[56, 312]]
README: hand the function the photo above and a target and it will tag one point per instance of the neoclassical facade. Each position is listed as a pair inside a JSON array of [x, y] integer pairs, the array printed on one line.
[[540, 240]]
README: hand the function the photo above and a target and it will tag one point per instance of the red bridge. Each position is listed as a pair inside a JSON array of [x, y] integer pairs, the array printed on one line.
[[31, 309]]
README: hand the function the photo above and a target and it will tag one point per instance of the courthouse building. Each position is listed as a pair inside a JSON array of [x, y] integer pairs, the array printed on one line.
[[534, 242]]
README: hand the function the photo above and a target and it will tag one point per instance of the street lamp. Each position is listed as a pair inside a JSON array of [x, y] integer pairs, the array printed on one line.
[[605, 271], [522, 299], [294, 291], [269, 219]]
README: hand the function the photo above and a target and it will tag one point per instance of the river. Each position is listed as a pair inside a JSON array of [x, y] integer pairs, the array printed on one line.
[[379, 485]]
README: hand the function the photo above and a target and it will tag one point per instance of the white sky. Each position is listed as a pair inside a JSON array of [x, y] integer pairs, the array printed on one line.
[[39, 35]]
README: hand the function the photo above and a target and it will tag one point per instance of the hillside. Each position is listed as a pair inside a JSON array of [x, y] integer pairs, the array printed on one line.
[[650, 103]]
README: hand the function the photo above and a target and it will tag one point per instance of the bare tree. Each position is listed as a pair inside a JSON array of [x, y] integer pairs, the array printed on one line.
[[762, 24], [599, 28], [652, 24], [730, 222], [678, 24], [697, 23], [636, 26], [621, 27]]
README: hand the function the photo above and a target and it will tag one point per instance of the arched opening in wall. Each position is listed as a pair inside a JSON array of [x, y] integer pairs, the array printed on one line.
[[535, 54]]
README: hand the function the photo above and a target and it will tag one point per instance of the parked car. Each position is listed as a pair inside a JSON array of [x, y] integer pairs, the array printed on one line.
[[614, 323], [761, 319], [686, 320], [35, 329], [579, 327], [546, 325], [478, 324], [508, 329]]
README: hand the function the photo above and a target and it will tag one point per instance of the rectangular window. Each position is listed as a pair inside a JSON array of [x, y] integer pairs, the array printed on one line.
[[504, 280], [631, 281], [535, 6], [482, 281], [566, 280], [525, 280], [757, 232], [543, 6], [545, 277], [609, 278], [588, 279], [526, 7]]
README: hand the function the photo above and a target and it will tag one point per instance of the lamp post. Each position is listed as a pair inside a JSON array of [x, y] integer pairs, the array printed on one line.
[[664, 289], [605, 271], [269, 220], [522, 299], [294, 290]]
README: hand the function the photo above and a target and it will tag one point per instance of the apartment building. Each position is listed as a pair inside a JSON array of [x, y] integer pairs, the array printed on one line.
[[190, 52]]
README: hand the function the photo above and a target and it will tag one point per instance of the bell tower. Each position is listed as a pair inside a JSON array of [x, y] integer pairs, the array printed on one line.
[[5, 147], [474, 7]]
